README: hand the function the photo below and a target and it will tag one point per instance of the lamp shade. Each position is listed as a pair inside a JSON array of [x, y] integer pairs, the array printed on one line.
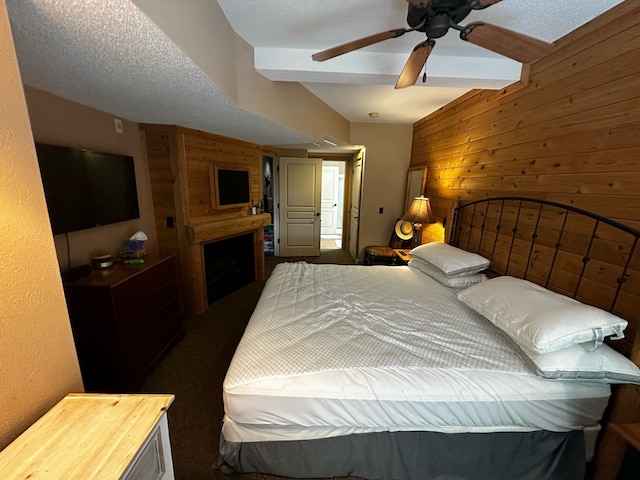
[[419, 212]]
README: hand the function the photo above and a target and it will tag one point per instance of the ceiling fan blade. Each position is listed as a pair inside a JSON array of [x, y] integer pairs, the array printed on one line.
[[480, 4], [416, 61], [420, 3], [514, 45], [357, 44]]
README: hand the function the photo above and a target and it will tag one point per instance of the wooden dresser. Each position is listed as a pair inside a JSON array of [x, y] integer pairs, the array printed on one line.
[[98, 437], [124, 319]]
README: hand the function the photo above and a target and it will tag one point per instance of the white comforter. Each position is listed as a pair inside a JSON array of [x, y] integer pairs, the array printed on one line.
[[340, 349]]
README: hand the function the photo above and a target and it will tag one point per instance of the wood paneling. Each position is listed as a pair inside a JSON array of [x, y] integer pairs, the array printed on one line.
[[570, 135], [180, 163]]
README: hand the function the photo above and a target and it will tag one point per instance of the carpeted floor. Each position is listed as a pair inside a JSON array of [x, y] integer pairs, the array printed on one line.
[[194, 371]]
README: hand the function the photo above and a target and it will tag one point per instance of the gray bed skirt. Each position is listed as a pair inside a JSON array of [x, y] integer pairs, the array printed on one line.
[[536, 455]]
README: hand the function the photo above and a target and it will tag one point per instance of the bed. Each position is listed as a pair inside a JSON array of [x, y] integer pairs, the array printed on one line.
[[395, 372]]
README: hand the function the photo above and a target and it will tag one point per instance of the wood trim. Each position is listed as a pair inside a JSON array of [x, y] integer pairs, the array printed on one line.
[[423, 184], [197, 234]]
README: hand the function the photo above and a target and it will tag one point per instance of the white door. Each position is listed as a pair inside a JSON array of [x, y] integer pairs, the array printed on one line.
[[300, 182], [356, 182], [330, 199]]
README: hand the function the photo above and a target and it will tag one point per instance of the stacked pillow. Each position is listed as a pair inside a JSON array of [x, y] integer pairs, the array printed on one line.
[[449, 265], [561, 338]]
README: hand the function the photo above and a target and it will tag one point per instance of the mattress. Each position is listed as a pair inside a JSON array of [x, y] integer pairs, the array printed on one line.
[[333, 350]]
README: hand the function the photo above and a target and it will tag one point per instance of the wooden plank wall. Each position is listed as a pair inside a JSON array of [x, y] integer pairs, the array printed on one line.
[[570, 133], [203, 150], [180, 161], [177, 153], [158, 150]]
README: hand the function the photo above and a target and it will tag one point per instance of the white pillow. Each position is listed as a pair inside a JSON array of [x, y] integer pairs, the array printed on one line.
[[603, 365], [439, 275], [539, 320], [451, 260]]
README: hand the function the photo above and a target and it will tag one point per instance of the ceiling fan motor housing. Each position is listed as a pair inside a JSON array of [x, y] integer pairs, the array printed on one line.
[[436, 18]]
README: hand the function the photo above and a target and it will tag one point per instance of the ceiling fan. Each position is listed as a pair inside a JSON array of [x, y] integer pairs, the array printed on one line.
[[435, 18]]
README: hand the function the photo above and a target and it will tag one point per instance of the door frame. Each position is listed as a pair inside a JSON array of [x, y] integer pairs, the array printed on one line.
[[362, 155], [347, 158], [336, 195]]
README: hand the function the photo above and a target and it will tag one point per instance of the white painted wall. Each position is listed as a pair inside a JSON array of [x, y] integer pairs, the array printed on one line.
[[388, 156]]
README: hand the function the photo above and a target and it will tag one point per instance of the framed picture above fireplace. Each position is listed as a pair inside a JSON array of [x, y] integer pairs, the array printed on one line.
[[230, 186]]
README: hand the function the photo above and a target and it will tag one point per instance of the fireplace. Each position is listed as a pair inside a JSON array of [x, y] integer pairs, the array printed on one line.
[[228, 265], [227, 232]]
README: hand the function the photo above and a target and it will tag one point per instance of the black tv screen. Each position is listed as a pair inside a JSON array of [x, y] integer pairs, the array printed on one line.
[[233, 187], [86, 189]]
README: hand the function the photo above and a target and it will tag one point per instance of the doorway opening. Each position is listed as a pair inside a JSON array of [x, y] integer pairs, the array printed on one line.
[[332, 204]]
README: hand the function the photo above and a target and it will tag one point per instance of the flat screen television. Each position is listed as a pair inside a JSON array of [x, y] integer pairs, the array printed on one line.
[[86, 189], [232, 187]]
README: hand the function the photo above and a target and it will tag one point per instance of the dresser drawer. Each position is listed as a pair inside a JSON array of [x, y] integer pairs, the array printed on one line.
[[135, 316], [150, 462], [142, 351], [146, 283]]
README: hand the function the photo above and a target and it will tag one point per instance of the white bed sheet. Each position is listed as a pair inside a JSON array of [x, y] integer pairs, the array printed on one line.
[[332, 350]]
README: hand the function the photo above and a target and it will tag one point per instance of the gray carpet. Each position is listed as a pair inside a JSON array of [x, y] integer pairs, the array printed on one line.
[[194, 371]]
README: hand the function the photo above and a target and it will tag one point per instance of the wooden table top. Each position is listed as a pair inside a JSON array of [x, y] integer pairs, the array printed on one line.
[[84, 436]]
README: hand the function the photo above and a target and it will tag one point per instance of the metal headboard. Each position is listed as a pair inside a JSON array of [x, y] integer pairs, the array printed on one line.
[[578, 253]]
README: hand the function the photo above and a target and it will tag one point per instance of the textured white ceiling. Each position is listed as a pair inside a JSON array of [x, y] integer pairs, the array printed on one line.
[[285, 33], [108, 55]]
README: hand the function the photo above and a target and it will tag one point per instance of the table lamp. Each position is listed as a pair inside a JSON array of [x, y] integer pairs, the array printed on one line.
[[419, 213]]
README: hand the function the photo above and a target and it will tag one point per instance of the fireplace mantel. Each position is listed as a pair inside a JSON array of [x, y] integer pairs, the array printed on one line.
[[208, 232], [199, 235]]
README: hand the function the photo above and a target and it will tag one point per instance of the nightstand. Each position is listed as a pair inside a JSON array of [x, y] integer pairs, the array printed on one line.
[[386, 256], [379, 256], [620, 436], [402, 256]]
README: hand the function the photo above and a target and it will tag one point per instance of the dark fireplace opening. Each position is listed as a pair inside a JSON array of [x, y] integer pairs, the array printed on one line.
[[228, 265]]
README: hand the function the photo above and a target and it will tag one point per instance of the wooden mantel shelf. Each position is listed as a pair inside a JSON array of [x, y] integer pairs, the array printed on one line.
[[197, 234]]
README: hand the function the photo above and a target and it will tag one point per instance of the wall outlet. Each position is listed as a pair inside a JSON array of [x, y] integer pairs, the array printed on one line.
[[118, 124], [380, 210]]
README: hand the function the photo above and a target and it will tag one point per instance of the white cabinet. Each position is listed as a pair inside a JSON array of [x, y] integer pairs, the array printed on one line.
[[95, 436]]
